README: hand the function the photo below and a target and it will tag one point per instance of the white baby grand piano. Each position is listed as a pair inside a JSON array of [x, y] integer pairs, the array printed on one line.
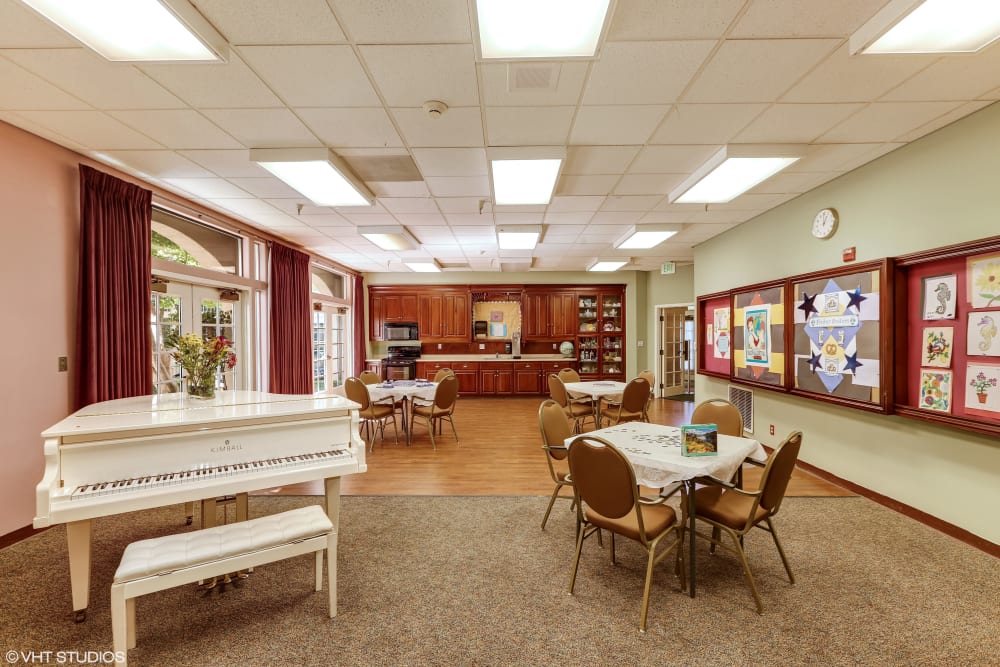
[[151, 451]]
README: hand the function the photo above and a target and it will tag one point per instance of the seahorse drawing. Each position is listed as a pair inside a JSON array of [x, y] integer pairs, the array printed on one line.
[[943, 294], [988, 330]]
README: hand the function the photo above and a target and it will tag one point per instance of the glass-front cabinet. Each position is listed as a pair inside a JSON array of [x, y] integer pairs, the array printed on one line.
[[601, 335]]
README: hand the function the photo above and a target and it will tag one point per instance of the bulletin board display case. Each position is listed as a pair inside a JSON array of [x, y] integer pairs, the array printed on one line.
[[758, 335], [715, 341]]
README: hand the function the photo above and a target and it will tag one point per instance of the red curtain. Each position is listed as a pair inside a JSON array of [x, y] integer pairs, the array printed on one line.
[[113, 348], [291, 322], [360, 334]]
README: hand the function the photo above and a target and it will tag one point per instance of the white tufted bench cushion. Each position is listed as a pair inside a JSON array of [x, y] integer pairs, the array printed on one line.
[[164, 562]]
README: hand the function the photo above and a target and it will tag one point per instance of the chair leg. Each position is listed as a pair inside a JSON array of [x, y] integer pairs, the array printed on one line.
[[552, 501], [453, 431], [613, 562], [430, 429], [581, 529], [645, 589], [781, 551], [716, 536], [746, 571]]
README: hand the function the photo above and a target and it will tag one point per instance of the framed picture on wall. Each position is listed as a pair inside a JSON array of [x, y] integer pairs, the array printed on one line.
[[757, 322], [838, 332], [714, 334]]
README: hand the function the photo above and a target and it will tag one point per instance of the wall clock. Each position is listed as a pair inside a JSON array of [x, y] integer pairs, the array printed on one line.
[[825, 223]]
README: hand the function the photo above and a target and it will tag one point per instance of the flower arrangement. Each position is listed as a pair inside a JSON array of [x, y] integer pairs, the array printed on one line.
[[981, 383], [201, 358]]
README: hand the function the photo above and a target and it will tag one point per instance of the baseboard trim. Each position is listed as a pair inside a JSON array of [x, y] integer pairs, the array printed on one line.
[[949, 529], [18, 535]]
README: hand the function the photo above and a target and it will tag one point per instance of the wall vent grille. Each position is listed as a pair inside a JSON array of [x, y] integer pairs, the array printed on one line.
[[743, 399]]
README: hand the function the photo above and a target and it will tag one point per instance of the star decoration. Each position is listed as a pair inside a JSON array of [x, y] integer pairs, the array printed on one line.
[[855, 298], [852, 363], [814, 362], [808, 306]]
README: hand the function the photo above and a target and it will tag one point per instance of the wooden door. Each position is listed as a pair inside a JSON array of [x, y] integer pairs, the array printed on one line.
[[429, 316], [562, 314], [456, 316], [672, 351], [536, 314]]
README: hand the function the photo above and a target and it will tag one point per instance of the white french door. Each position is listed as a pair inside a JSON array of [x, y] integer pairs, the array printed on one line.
[[673, 351], [186, 308], [330, 358]]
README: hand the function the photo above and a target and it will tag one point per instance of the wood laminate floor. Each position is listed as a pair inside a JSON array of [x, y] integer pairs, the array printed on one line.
[[498, 453]]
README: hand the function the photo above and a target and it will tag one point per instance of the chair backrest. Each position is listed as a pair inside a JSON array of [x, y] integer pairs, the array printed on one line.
[[442, 374], [446, 393], [720, 412], [648, 376], [603, 477], [357, 391], [635, 395], [777, 472], [555, 427], [557, 390], [569, 375], [370, 377]]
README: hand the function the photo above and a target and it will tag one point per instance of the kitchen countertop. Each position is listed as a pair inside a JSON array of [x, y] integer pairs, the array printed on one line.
[[438, 358]]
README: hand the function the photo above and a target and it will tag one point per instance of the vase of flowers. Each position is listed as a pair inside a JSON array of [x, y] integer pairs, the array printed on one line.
[[981, 384], [201, 358]]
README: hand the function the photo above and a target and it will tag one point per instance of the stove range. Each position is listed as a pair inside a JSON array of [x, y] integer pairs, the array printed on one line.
[[401, 364]]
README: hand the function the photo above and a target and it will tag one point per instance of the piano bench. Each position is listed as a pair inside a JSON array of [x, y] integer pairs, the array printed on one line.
[[160, 563]]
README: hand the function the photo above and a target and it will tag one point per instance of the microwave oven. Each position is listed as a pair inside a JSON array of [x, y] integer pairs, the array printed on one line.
[[400, 331]]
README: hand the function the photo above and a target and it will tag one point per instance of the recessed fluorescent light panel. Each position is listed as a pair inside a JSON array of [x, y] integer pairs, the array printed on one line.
[[137, 30], [431, 266], [524, 181], [518, 237], [531, 29], [389, 237], [929, 26], [732, 171], [607, 264], [316, 173], [646, 236]]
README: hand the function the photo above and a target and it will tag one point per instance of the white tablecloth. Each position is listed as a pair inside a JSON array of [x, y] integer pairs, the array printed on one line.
[[402, 389], [654, 451]]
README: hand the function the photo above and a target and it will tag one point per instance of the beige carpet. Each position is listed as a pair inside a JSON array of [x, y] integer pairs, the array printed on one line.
[[473, 581]]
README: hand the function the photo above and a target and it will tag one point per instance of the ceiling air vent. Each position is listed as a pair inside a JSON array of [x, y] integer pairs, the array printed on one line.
[[532, 77], [743, 400]]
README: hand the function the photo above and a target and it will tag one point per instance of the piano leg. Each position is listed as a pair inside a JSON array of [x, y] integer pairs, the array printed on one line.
[[332, 485], [78, 534], [189, 513]]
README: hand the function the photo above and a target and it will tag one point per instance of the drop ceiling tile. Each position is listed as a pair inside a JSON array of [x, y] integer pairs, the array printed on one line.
[[458, 128], [672, 19], [323, 221], [954, 78], [586, 185], [398, 188], [482, 236], [582, 160], [450, 161], [573, 219], [630, 203], [648, 184], [563, 233], [230, 84], [665, 216], [671, 159], [705, 123], [569, 80], [794, 182], [756, 70], [337, 80], [226, 163], [93, 129], [269, 22], [25, 28], [409, 75], [831, 157], [842, 77], [267, 188], [644, 72], [865, 158], [29, 125], [576, 204], [88, 76], [616, 125], [946, 119], [517, 126], [804, 18], [622, 219], [886, 121], [362, 217], [177, 128], [214, 189], [454, 186], [415, 21], [421, 219], [22, 89], [728, 216], [350, 128], [463, 205], [507, 218], [795, 123], [754, 202], [158, 164], [267, 128], [469, 219]]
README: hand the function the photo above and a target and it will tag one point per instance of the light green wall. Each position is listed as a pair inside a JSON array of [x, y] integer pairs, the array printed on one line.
[[940, 190], [672, 290]]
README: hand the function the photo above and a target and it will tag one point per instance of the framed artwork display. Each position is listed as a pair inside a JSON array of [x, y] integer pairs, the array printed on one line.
[[940, 295], [983, 334], [838, 333], [984, 280], [714, 334], [758, 335], [938, 346], [982, 388], [935, 389]]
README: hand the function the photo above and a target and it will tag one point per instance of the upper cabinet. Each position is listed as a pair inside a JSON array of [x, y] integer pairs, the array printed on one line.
[[444, 314], [549, 314], [389, 304]]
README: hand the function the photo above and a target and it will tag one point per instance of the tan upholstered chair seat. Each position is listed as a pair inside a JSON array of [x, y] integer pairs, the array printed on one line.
[[430, 411], [655, 520], [729, 509], [376, 411], [576, 410]]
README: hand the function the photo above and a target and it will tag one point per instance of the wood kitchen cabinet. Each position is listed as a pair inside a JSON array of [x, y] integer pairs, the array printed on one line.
[[532, 377], [444, 315], [389, 304], [549, 315], [467, 373], [496, 378]]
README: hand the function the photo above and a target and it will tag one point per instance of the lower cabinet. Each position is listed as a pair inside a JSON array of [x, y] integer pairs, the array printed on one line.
[[496, 378], [374, 367], [466, 372]]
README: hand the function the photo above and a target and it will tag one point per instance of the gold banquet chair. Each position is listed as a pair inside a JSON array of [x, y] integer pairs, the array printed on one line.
[[570, 375], [729, 509], [607, 497], [442, 374], [555, 428], [373, 414], [648, 376], [720, 412], [369, 377], [440, 409], [633, 404], [578, 411]]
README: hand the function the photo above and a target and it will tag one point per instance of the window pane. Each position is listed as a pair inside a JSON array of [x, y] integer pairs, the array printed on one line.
[[328, 283], [184, 241], [169, 308]]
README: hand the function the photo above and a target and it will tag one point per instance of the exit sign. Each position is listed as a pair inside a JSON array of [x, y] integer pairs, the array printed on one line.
[[667, 268]]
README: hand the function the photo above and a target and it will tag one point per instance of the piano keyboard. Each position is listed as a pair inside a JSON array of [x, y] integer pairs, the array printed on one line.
[[206, 473]]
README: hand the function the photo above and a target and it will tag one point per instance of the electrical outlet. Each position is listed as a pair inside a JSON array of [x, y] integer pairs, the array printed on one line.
[[555, 346], [772, 429], [63, 364], [482, 346], [439, 346]]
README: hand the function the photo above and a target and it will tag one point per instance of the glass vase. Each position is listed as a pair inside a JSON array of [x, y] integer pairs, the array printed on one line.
[[201, 387]]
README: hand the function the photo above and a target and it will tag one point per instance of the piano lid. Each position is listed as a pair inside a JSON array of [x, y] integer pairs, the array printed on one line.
[[159, 410]]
